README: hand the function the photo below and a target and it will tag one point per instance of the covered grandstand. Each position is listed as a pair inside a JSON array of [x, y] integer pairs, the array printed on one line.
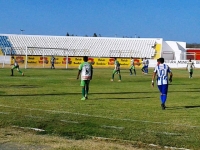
[[79, 46]]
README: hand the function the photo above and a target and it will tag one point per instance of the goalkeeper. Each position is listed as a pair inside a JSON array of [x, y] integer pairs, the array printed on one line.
[[162, 70]]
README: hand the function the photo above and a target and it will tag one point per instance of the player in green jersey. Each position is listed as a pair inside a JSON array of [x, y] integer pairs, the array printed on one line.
[[190, 67], [116, 70], [86, 71], [132, 67], [15, 66]]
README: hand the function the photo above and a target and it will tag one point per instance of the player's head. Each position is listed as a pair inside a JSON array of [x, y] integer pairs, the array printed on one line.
[[131, 57], [115, 58], [12, 57], [145, 58], [85, 58], [161, 60], [158, 61], [190, 60]]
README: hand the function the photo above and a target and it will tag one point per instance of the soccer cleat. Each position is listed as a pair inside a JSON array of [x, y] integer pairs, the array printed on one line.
[[111, 79], [119, 80], [131, 74], [11, 75], [86, 97], [83, 98], [22, 74], [163, 106]]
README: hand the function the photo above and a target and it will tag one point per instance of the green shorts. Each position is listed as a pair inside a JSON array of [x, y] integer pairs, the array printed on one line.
[[132, 67], [190, 70], [116, 71], [85, 82], [15, 67]]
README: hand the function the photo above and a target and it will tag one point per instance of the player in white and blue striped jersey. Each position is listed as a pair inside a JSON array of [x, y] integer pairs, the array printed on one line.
[[162, 70]]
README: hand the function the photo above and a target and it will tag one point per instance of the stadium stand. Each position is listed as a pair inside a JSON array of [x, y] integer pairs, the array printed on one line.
[[78, 46]]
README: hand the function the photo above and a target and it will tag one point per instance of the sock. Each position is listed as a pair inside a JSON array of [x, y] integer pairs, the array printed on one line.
[[87, 89], [134, 71], [12, 72], [161, 99], [164, 98], [83, 91], [20, 71], [113, 76], [130, 71], [120, 77]]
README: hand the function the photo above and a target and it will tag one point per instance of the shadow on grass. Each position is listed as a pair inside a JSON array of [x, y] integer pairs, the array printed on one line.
[[109, 93], [183, 107], [58, 94], [178, 84], [123, 98], [19, 86]]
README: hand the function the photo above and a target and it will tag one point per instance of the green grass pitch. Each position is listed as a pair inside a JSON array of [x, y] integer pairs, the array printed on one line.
[[128, 110]]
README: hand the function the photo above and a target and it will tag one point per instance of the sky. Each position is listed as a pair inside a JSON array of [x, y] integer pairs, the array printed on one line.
[[172, 20]]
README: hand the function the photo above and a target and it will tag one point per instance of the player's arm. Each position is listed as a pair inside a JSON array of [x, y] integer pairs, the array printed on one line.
[[79, 72], [170, 76], [153, 78], [91, 74]]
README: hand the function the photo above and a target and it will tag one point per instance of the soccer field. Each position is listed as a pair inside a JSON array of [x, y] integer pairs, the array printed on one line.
[[127, 111]]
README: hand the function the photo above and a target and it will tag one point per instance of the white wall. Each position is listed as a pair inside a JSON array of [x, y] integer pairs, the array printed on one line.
[[177, 48], [5, 59]]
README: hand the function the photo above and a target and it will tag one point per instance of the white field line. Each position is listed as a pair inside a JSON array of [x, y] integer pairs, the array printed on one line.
[[166, 133], [75, 122], [175, 148], [35, 129], [87, 115], [112, 127], [5, 113], [151, 145]]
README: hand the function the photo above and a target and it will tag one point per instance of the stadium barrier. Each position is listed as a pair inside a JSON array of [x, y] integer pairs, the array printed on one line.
[[74, 62], [70, 62], [175, 63]]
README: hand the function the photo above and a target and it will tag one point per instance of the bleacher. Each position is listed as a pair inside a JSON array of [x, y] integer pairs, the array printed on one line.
[[78, 46]]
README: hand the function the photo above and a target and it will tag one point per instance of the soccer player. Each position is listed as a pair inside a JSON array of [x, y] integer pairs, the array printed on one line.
[[145, 68], [190, 67], [162, 70], [15, 66], [132, 67], [52, 62], [86, 71], [116, 70]]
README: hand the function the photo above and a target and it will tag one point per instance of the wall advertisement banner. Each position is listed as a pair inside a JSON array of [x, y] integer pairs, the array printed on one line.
[[39, 61], [181, 63]]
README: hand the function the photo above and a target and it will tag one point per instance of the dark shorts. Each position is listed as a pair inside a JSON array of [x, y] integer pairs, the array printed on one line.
[[163, 89]]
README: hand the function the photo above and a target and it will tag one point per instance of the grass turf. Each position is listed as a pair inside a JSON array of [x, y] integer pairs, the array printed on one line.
[[128, 110]]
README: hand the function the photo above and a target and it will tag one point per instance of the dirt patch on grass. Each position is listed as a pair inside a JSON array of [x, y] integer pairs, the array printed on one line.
[[12, 139]]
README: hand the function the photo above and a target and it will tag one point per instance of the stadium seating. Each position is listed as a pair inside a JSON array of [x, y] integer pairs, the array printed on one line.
[[78, 46]]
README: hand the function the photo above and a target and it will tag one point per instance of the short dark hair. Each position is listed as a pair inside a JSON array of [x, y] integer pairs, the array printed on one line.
[[162, 60], [85, 58]]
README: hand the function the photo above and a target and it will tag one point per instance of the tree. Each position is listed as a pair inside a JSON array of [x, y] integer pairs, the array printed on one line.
[[192, 45], [94, 35]]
